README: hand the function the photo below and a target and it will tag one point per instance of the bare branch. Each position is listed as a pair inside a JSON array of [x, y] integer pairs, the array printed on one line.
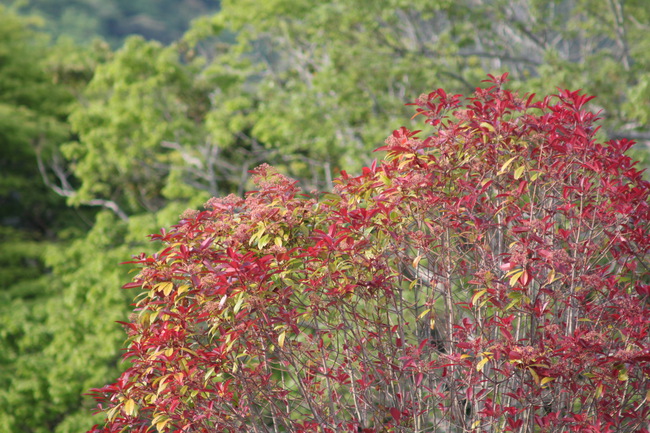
[[632, 135], [190, 159], [66, 190], [621, 34], [108, 204]]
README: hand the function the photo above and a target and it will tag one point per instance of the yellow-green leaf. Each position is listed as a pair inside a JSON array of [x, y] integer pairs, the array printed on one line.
[[332, 199], [477, 295], [424, 313], [264, 240], [487, 126], [551, 276], [190, 351], [160, 426], [534, 374], [208, 374], [165, 287], [546, 380], [129, 407], [519, 171], [281, 338], [505, 166], [258, 234], [385, 179], [514, 276], [481, 363], [240, 300], [161, 387], [112, 413]]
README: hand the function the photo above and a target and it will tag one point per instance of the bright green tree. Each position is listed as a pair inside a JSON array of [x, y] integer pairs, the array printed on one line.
[[51, 285], [325, 74], [307, 87]]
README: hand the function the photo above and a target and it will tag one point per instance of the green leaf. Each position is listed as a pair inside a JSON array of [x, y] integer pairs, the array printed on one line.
[[476, 296], [505, 165], [519, 171], [424, 313], [514, 275]]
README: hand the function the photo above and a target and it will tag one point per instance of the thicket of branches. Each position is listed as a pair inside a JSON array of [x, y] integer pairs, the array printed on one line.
[[488, 275]]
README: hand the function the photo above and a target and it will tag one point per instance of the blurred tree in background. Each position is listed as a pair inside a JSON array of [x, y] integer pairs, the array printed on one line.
[[100, 146], [48, 309], [114, 20]]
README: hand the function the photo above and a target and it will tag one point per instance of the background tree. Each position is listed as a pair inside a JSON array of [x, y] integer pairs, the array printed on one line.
[[53, 275], [309, 89], [491, 276], [42, 371], [115, 20], [329, 75]]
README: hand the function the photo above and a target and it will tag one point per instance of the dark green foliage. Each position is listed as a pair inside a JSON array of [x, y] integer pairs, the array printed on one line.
[[162, 20]]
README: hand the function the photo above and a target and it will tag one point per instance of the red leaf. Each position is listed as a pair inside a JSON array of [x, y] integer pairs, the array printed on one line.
[[395, 413]]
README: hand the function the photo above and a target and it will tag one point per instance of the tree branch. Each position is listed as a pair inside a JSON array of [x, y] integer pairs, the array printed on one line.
[[66, 190], [632, 135]]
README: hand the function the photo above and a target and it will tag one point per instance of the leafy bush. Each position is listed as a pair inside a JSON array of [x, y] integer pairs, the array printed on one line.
[[492, 276]]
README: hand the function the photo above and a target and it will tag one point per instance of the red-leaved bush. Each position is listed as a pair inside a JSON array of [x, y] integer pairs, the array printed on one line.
[[492, 276]]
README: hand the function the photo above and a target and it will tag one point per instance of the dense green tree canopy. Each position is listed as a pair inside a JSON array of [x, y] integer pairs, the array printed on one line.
[[308, 87]]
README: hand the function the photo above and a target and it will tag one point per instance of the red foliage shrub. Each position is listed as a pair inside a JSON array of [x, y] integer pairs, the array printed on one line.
[[490, 277]]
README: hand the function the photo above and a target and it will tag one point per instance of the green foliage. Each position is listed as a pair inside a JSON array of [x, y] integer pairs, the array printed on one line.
[[140, 100], [59, 335], [320, 78], [32, 116], [56, 274], [53, 343], [306, 87], [42, 325]]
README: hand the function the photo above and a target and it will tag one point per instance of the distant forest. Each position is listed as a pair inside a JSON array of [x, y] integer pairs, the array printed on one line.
[[114, 20]]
